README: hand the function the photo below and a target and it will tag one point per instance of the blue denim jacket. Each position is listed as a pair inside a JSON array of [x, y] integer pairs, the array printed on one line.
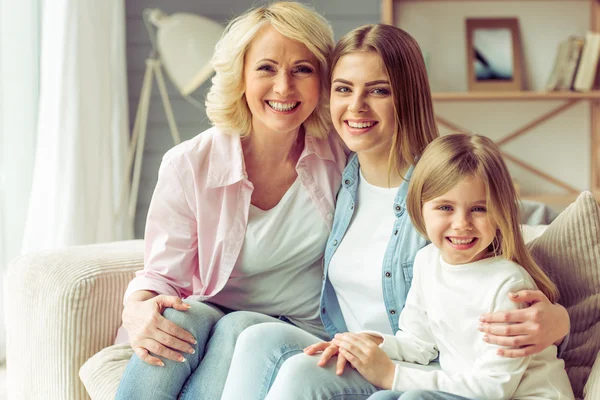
[[398, 259]]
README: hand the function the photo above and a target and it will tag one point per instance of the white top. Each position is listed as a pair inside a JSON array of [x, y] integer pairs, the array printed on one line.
[[442, 313], [359, 258], [279, 270]]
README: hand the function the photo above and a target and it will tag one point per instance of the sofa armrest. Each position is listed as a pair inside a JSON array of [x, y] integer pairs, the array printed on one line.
[[63, 306]]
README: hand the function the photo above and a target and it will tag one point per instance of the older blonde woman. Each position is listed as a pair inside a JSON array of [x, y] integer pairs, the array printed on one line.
[[241, 213]]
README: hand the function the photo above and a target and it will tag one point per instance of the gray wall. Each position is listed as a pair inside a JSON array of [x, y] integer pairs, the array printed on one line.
[[344, 15]]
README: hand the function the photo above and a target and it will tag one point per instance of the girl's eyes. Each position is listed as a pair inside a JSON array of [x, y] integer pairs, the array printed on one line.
[[474, 209]]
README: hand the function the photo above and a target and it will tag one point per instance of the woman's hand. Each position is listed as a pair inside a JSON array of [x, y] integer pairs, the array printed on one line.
[[328, 350], [533, 329], [369, 360], [149, 331]]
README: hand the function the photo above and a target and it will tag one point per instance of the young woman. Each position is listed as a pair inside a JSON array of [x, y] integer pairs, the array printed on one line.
[[381, 107], [461, 197]]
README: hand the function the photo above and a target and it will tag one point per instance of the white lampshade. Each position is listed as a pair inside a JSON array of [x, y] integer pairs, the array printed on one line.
[[185, 43]]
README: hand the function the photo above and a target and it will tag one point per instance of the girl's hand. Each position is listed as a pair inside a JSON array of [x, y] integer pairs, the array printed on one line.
[[534, 328], [329, 350], [149, 331], [369, 360]]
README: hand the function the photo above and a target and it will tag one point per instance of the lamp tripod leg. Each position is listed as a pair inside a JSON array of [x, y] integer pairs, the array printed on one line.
[[166, 103], [131, 151], [139, 153]]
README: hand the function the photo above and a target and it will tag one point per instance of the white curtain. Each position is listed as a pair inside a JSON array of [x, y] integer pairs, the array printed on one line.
[[19, 71], [82, 128]]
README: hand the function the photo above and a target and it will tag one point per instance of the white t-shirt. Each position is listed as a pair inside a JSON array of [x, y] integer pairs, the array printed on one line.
[[441, 315], [279, 270], [359, 258]]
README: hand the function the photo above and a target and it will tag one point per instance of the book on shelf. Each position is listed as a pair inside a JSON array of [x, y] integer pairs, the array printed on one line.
[[588, 63], [576, 44], [566, 64]]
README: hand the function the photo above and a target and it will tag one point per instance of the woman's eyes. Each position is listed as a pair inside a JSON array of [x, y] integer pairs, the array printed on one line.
[[342, 89], [479, 209], [375, 91], [265, 68], [299, 70], [380, 91], [303, 69], [445, 208]]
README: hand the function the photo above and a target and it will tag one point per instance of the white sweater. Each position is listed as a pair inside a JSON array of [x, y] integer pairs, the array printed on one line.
[[442, 314]]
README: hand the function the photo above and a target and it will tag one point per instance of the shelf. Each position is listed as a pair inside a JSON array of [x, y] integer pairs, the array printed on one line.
[[523, 95]]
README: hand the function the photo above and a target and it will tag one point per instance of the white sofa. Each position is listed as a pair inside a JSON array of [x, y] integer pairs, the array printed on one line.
[[63, 306]]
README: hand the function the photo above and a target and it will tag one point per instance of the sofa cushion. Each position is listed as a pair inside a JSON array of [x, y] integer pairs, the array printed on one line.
[[569, 252], [102, 373], [592, 387]]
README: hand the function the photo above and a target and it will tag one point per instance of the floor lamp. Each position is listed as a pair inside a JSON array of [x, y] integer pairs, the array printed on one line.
[[183, 44]]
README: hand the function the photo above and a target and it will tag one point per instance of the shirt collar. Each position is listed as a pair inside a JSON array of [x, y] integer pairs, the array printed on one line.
[[319, 147], [226, 160], [226, 165]]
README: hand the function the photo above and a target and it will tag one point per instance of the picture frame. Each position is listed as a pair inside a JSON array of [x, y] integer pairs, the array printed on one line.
[[494, 54]]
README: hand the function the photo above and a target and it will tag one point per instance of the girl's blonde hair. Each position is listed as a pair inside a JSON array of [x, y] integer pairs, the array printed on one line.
[[405, 67], [450, 159], [226, 105]]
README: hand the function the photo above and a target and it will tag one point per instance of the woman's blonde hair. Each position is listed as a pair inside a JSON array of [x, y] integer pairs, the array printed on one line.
[[405, 67], [452, 158], [226, 105]]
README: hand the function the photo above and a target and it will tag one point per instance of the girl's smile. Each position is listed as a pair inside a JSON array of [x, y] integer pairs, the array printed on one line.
[[458, 223]]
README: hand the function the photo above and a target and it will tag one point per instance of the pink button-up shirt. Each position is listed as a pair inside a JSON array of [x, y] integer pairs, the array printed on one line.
[[199, 211]]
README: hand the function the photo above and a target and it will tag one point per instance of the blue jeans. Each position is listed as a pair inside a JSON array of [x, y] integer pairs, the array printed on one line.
[[202, 375], [415, 395], [268, 362]]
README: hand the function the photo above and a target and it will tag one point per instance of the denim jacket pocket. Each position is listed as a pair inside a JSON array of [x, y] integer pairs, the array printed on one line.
[[407, 270]]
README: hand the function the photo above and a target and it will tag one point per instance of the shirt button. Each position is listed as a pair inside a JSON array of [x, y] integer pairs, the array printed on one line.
[[347, 182], [396, 232], [398, 208], [388, 274], [352, 207], [392, 312], [323, 310], [330, 216], [335, 242]]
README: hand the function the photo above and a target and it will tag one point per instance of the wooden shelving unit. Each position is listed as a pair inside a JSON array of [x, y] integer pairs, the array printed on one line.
[[389, 11]]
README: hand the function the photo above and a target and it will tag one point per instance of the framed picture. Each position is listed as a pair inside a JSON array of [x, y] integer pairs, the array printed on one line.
[[494, 56]]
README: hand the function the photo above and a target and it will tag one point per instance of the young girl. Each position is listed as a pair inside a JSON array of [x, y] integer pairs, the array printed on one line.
[[462, 199], [381, 107]]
